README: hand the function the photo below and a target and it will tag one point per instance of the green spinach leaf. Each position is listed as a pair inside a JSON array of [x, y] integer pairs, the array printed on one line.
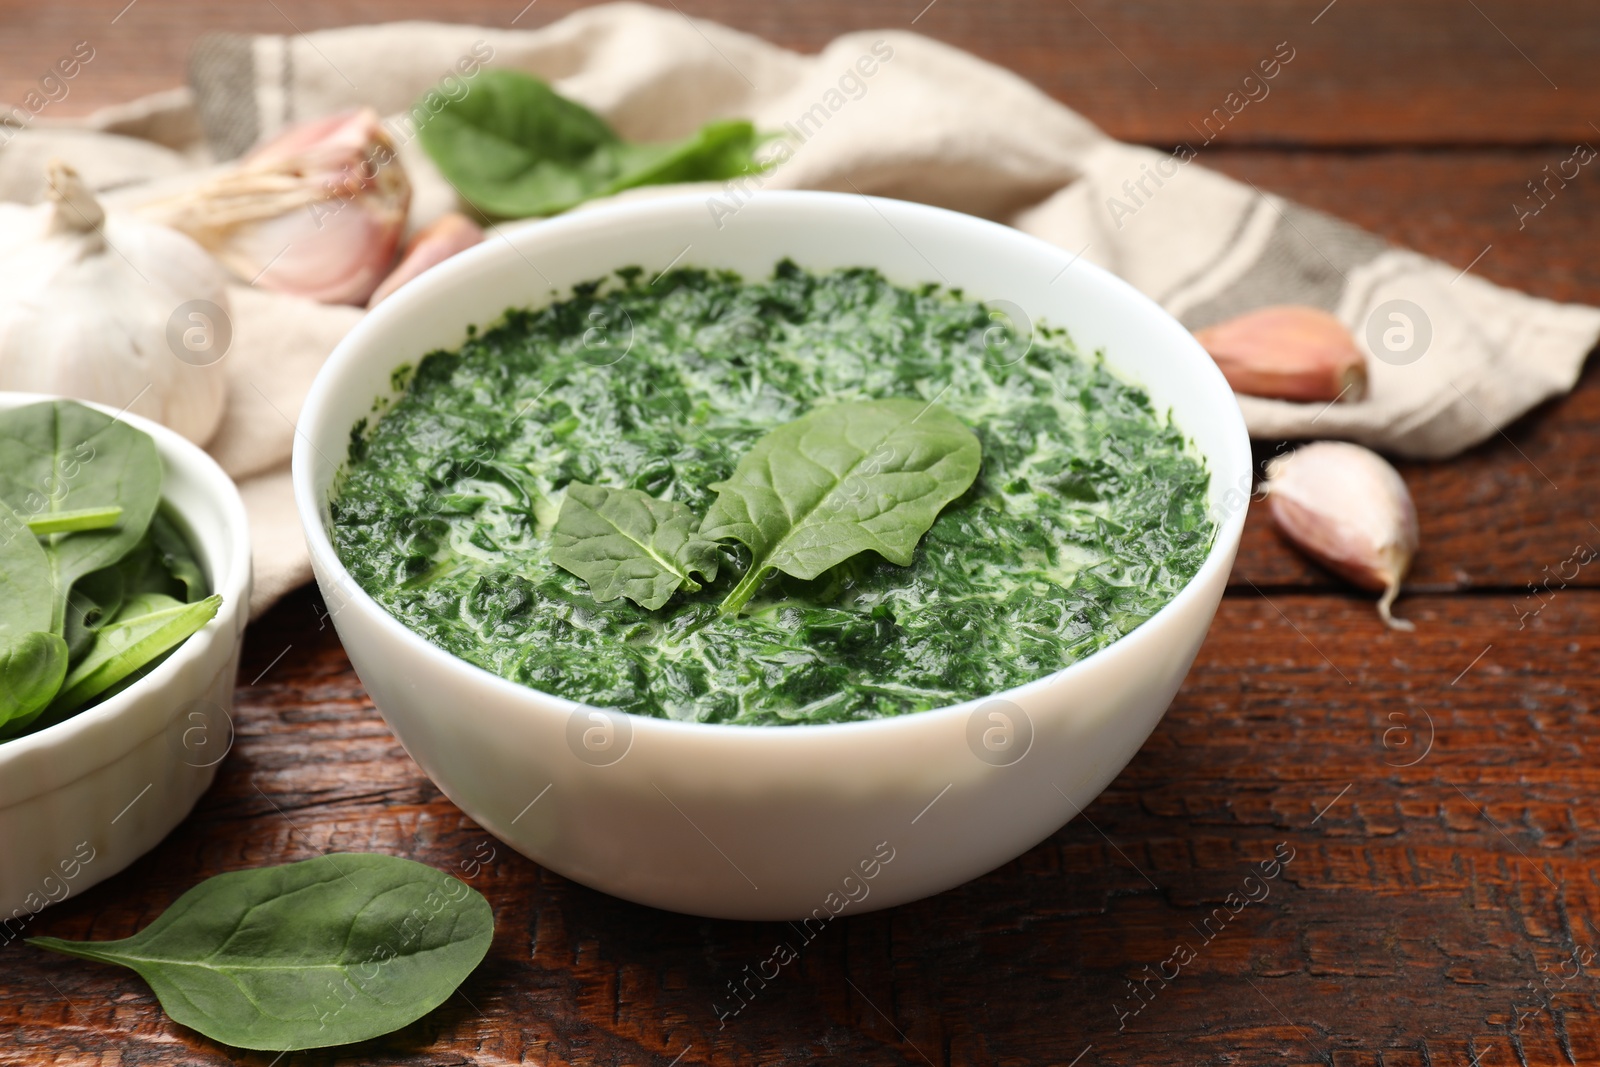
[[93, 603], [138, 605], [177, 556], [341, 948], [75, 521], [845, 479], [25, 590], [60, 456], [513, 147], [33, 661], [143, 571], [31, 670], [148, 626], [625, 542]]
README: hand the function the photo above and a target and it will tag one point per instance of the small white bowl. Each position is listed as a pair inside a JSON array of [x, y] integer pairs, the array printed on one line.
[[771, 822], [82, 799]]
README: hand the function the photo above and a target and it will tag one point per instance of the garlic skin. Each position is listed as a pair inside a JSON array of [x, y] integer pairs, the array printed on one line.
[[1347, 508], [85, 302], [1288, 352], [432, 245], [317, 211]]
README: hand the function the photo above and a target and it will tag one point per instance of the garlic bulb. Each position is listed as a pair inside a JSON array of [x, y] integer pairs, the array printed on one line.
[[432, 245], [90, 301], [1288, 352], [1346, 507], [317, 211]]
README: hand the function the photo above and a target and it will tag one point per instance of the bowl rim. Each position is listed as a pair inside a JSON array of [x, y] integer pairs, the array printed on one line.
[[350, 351], [234, 585]]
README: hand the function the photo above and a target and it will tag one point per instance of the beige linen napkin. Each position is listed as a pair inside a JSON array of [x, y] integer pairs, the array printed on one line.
[[887, 113]]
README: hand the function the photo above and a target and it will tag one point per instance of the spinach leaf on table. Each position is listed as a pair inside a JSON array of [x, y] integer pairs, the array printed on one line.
[[322, 952], [871, 475], [513, 147], [625, 542], [59, 456]]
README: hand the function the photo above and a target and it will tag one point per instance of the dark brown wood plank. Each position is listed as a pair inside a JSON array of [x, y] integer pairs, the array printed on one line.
[[1363, 72], [1430, 909], [1424, 916]]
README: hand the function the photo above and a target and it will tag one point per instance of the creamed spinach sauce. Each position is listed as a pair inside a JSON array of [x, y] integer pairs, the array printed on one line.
[[1088, 515]]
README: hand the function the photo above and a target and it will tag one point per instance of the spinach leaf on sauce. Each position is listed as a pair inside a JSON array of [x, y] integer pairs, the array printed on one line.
[[1087, 515]]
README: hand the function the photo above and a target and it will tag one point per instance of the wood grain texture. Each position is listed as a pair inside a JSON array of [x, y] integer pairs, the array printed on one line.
[[1436, 789], [1419, 904], [1365, 71]]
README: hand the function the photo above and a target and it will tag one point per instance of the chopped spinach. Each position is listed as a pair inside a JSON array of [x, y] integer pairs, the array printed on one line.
[[1088, 512]]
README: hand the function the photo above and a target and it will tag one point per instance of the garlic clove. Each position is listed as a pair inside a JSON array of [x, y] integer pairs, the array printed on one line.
[[432, 245], [1288, 352], [1347, 508], [89, 300], [337, 259], [318, 145], [317, 211]]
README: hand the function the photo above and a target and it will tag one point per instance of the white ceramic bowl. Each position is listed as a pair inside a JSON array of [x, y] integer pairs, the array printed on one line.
[[82, 799], [772, 822]]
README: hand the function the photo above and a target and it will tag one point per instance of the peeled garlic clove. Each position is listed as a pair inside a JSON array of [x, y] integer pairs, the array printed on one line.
[[1347, 508], [317, 211], [432, 245], [1288, 352], [92, 306]]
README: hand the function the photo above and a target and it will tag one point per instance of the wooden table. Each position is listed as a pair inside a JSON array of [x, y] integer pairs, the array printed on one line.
[[1436, 789]]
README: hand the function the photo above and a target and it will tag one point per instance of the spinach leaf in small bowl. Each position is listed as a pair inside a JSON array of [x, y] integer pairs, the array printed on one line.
[[97, 583]]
